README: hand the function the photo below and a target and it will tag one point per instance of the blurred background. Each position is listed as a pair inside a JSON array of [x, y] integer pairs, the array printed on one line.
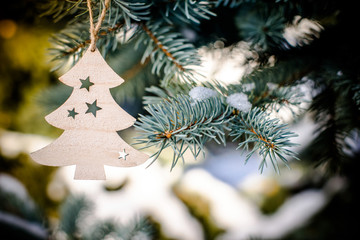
[[213, 198]]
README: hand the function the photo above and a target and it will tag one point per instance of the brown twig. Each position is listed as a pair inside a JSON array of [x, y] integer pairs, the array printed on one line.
[[269, 143], [168, 134]]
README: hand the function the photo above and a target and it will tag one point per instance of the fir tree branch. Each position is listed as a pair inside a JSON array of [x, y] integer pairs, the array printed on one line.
[[172, 56], [337, 115], [161, 47], [269, 136], [74, 208], [59, 9], [187, 11], [84, 44], [182, 123]]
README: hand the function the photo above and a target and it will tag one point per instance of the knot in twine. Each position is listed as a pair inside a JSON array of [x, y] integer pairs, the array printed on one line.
[[94, 30]]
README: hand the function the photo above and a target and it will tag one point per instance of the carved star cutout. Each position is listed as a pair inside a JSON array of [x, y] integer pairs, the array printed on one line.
[[92, 108], [123, 154], [86, 83], [72, 113]]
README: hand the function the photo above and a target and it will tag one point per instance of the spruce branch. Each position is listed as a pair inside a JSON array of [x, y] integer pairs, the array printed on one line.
[[77, 209], [172, 56], [264, 28], [82, 45], [129, 10], [122, 16], [59, 9], [188, 11], [72, 211], [337, 115], [269, 137], [229, 3], [162, 48], [182, 123], [133, 11]]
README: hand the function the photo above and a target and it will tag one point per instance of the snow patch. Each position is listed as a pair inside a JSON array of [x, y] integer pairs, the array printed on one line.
[[239, 101], [202, 93]]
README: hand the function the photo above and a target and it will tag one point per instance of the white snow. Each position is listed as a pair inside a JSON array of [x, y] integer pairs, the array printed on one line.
[[201, 93], [239, 101], [302, 31]]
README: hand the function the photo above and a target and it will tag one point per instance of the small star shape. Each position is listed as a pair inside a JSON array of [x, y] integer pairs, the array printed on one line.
[[72, 113], [123, 154], [93, 108], [86, 83]]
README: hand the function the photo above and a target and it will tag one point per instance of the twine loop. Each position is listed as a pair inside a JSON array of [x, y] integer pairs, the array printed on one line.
[[94, 30]]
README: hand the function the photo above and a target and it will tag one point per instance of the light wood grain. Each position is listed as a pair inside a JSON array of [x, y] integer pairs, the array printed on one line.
[[89, 141]]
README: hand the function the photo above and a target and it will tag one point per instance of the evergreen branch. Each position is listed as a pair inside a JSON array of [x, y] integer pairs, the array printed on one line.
[[172, 56], [77, 208], [161, 94], [337, 116], [277, 86], [84, 44], [101, 230], [74, 208], [330, 134], [162, 48], [72, 41], [136, 11], [137, 229], [69, 43], [264, 28], [268, 136], [188, 11], [59, 9], [128, 10], [230, 3], [182, 123]]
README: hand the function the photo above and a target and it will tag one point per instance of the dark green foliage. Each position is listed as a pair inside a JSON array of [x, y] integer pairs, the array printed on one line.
[[337, 114], [263, 28], [185, 11]]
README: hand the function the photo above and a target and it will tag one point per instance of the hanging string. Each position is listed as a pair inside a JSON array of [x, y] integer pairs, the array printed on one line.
[[95, 30]]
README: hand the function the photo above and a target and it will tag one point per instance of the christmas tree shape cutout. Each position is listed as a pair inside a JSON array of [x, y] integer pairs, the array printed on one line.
[[91, 119]]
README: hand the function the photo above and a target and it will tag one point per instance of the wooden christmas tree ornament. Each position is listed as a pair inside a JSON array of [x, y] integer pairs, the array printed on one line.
[[90, 118]]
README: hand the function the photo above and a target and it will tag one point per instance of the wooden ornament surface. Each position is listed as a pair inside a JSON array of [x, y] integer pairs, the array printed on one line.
[[94, 63], [90, 118], [111, 116], [89, 148]]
